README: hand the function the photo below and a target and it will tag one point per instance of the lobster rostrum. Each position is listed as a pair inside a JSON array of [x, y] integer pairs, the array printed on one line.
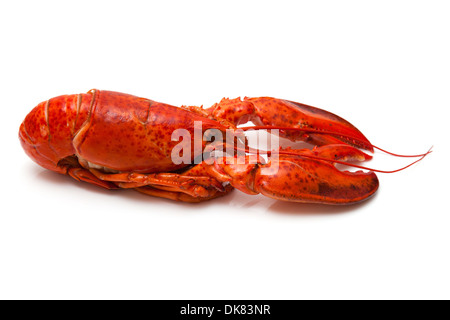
[[115, 140]]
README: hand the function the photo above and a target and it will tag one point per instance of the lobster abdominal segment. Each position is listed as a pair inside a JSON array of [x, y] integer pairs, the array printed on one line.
[[119, 141]]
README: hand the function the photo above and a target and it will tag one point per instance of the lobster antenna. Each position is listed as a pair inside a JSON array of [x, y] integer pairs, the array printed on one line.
[[366, 168], [252, 150], [333, 134]]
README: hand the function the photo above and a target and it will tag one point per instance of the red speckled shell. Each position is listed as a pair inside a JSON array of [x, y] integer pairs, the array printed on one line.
[[47, 131], [127, 133]]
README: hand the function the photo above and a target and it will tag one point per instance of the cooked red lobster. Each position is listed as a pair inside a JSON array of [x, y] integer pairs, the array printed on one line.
[[115, 140]]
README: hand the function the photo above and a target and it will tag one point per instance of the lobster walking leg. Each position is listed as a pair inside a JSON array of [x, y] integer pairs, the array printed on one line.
[[70, 166], [194, 186], [180, 196], [85, 175]]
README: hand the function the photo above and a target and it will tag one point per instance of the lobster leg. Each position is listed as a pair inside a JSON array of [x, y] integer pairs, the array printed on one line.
[[71, 166], [85, 175], [299, 178], [167, 185], [180, 196], [278, 113]]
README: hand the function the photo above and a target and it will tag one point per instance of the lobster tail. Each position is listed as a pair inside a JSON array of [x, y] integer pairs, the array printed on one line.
[[47, 131]]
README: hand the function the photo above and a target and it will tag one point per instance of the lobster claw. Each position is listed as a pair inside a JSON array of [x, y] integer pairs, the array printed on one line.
[[314, 181], [285, 113], [312, 125], [300, 178]]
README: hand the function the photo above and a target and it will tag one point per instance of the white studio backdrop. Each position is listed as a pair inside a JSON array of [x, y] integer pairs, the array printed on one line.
[[381, 65]]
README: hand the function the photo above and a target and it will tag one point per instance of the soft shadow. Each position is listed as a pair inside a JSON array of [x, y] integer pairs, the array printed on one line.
[[56, 178], [128, 194], [292, 208], [234, 199]]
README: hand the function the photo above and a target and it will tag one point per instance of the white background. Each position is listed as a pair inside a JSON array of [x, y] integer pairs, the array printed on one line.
[[382, 65]]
